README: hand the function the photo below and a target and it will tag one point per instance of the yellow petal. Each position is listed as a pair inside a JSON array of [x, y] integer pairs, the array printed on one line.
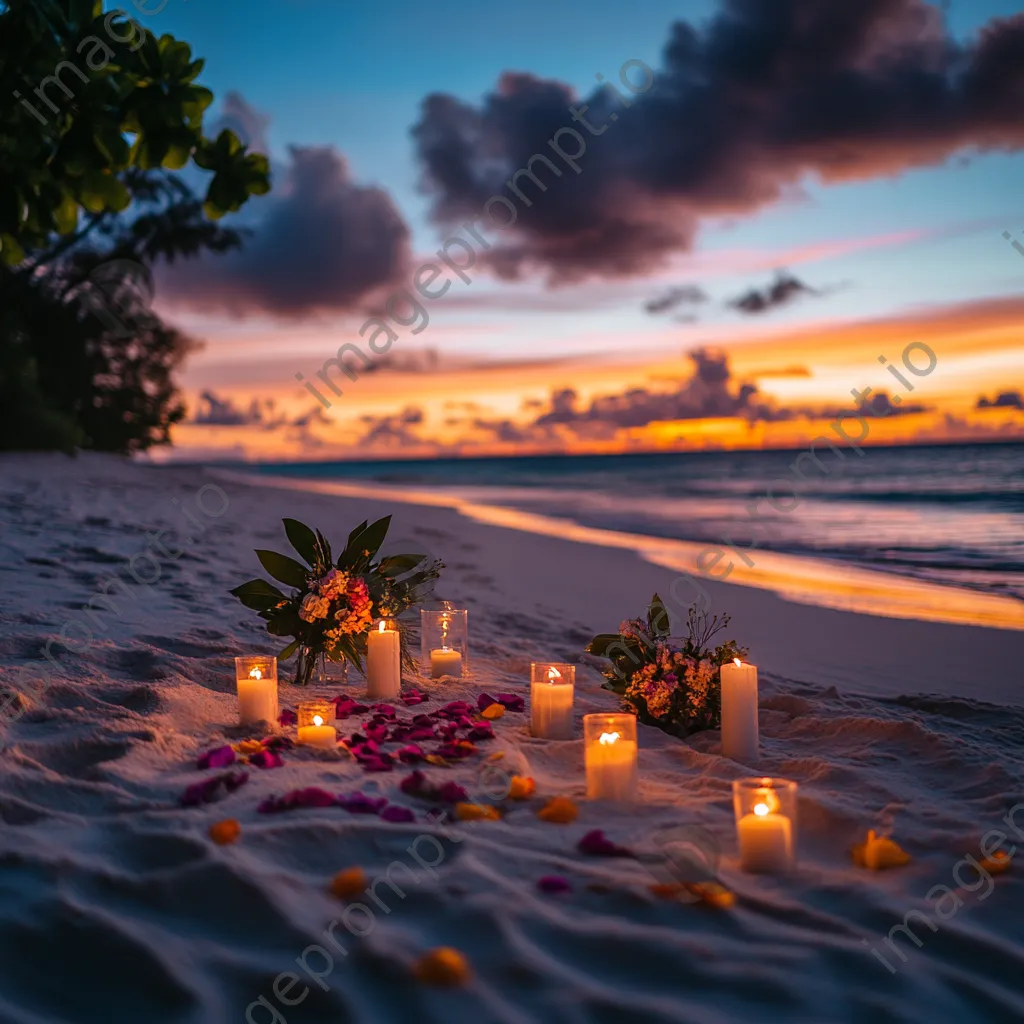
[[713, 894], [442, 966], [521, 787], [497, 755], [435, 759], [248, 747], [349, 884], [559, 810], [476, 812], [879, 852], [494, 711], [225, 832]]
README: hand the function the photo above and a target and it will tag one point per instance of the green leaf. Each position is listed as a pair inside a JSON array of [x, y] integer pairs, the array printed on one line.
[[258, 595], [657, 618], [303, 539], [289, 650], [395, 565], [368, 541], [11, 250], [285, 623], [283, 568], [355, 533]]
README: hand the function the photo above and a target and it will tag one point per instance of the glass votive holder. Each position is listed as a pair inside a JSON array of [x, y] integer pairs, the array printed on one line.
[[552, 685], [609, 750], [766, 825], [316, 724], [256, 681], [384, 660], [444, 639]]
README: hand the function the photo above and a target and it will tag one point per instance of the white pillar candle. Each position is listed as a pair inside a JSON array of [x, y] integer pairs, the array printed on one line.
[[610, 751], [740, 740], [318, 735], [444, 661], [384, 660], [551, 697], [766, 840], [256, 680]]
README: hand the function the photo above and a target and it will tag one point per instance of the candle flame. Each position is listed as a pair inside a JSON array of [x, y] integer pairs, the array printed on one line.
[[380, 628], [317, 720], [739, 664], [255, 674], [607, 738], [553, 673], [444, 629], [760, 810]]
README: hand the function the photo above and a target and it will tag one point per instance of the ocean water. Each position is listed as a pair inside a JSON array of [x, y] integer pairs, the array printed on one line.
[[951, 514]]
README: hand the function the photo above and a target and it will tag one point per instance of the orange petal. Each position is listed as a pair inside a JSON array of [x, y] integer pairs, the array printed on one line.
[[493, 711], [497, 755], [668, 890], [225, 832], [712, 893], [349, 884], [436, 760], [997, 863], [476, 812], [442, 966], [521, 787], [248, 747], [879, 852], [559, 810]]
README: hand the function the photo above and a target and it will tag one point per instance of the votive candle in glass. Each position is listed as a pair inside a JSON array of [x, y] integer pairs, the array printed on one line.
[[551, 694], [740, 740], [610, 748], [256, 680], [384, 660], [766, 825], [445, 641], [316, 724]]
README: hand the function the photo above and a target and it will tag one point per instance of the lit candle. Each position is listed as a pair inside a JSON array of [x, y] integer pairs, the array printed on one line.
[[551, 696], [740, 739], [610, 750], [256, 680], [384, 660], [445, 661], [766, 829], [314, 730]]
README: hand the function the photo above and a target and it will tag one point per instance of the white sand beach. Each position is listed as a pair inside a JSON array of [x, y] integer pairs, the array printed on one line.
[[116, 906]]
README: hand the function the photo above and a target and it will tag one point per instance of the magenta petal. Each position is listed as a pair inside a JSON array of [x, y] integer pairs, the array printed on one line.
[[413, 784], [377, 764], [554, 884], [214, 788], [387, 710], [312, 796], [359, 804], [377, 733], [511, 701], [485, 700], [411, 754], [287, 717], [267, 759], [452, 793], [420, 734], [219, 757], [598, 845], [278, 742], [394, 813], [480, 732]]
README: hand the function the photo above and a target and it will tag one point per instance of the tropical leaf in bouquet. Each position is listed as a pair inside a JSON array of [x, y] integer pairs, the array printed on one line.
[[365, 543], [395, 565], [304, 540], [283, 568], [259, 595], [355, 533], [657, 618], [289, 650], [324, 548], [347, 648], [600, 644], [285, 623]]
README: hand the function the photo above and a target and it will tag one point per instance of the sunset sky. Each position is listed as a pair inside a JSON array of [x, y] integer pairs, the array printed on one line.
[[796, 195]]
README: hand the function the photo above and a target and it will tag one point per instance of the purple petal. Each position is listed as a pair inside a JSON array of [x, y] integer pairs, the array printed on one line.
[[397, 814], [597, 844], [214, 788], [378, 764], [312, 796], [480, 732], [267, 759], [413, 784], [554, 884], [411, 754], [452, 793], [219, 757], [287, 717], [511, 701], [485, 700], [359, 804]]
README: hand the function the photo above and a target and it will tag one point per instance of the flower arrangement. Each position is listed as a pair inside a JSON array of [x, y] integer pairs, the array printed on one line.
[[675, 687], [333, 603]]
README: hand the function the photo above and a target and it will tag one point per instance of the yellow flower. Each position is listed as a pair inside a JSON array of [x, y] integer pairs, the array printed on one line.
[[349, 884], [476, 812], [521, 787], [879, 852], [225, 832], [442, 966], [493, 711], [559, 810]]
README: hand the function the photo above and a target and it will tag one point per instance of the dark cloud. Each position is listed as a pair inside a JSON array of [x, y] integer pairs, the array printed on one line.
[[323, 243], [215, 411], [781, 292], [683, 295], [766, 95], [1004, 400], [392, 431]]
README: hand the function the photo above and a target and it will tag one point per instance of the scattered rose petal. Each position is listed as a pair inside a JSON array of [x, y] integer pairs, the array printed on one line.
[[554, 884], [209, 790], [378, 733], [387, 710], [378, 764], [443, 966], [476, 812], [357, 803], [349, 884], [521, 787], [511, 701], [496, 756], [411, 754], [412, 697], [249, 747], [277, 742], [219, 757], [452, 793], [225, 832], [420, 733], [493, 711], [267, 759], [437, 760], [479, 733], [397, 814], [287, 717], [598, 844], [311, 796], [997, 863], [713, 894], [414, 783], [559, 810], [878, 852]]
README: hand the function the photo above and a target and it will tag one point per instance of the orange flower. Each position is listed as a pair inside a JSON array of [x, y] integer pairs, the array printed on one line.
[[493, 711], [521, 787], [349, 884], [225, 832], [442, 966], [879, 852], [559, 810], [476, 812]]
